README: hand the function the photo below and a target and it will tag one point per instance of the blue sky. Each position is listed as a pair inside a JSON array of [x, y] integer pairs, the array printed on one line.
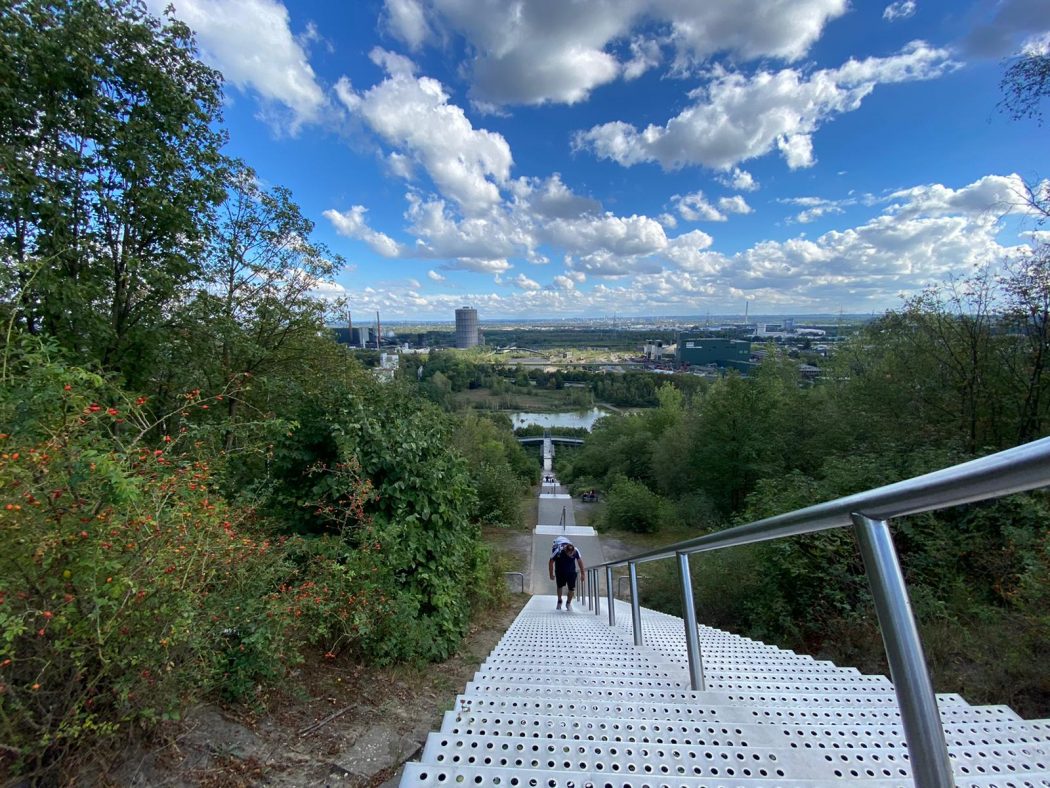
[[546, 158]]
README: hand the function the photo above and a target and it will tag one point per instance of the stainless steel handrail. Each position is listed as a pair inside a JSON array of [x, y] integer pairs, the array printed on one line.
[[1015, 470], [1022, 468]]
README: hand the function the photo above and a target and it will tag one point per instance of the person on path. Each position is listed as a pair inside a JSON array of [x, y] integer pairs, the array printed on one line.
[[562, 567]]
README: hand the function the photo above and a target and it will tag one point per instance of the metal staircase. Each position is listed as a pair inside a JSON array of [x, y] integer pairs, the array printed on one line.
[[636, 699], [566, 699]]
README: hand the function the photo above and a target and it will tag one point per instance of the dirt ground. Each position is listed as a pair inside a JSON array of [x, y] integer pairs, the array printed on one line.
[[336, 723]]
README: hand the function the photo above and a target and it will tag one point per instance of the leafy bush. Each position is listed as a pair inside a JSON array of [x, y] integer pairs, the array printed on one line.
[[126, 586], [417, 506], [631, 506]]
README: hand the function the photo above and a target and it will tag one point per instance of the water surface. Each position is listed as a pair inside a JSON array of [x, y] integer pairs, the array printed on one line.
[[577, 418]]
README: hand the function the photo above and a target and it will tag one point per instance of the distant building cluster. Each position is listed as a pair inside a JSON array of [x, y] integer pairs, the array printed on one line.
[[702, 351], [376, 336], [711, 350]]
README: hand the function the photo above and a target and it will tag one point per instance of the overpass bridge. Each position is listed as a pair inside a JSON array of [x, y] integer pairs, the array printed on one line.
[[613, 694], [552, 438], [548, 442]]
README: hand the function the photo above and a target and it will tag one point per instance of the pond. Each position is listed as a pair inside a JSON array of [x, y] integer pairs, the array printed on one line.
[[578, 418]]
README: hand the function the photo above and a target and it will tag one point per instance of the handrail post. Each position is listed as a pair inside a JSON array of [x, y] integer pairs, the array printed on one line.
[[597, 595], [692, 636], [587, 589], [636, 610], [609, 595], [931, 767]]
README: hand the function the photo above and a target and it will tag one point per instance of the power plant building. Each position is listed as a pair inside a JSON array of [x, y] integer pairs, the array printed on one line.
[[699, 351], [467, 334]]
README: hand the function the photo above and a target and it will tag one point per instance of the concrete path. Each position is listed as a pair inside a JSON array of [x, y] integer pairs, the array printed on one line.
[[556, 518]]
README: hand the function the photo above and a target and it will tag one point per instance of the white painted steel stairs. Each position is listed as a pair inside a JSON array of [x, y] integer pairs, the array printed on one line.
[[566, 701]]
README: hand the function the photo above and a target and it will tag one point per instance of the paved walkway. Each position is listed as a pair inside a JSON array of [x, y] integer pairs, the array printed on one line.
[[556, 518]]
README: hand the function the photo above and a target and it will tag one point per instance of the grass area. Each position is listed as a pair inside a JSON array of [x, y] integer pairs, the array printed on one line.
[[533, 399], [649, 541], [560, 357], [532, 507], [583, 512], [620, 544]]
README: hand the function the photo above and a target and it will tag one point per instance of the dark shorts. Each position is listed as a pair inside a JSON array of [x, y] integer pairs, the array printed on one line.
[[566, 580]]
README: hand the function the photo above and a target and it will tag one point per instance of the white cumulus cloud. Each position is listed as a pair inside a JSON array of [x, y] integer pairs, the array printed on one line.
[[407, 20], [695, 208], [552, 199], [901, 9], [232, 34], [564, 283], [609, 235], [736, 118], [533, 52], [496, 267], [919, 235], [522, 282], [352, 224], [414, 115], [735, 204], [988, 198], [738, 179]]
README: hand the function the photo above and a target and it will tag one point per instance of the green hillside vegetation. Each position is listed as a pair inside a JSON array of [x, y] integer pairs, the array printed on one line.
[[957, 372], [198, 486]]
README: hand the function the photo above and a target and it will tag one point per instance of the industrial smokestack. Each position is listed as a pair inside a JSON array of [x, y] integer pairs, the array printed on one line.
[[379, 330]]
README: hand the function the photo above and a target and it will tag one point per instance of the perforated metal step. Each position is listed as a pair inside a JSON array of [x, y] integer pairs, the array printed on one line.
[[426, 774], [692, 759], [641, 709], [565, 700], [880, 735]]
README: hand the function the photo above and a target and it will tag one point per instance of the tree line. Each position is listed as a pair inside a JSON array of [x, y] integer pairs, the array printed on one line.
[[199, 486], [445, 372]]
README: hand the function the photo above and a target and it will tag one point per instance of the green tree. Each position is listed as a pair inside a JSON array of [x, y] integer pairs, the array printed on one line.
[[743, 432], [1025, 85], [500, 469], [415, 524], [928, 372], [1025, 349], [257, 295], [109, 167]]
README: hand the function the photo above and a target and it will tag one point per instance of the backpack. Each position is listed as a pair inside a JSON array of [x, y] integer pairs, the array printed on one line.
[[558, 545]]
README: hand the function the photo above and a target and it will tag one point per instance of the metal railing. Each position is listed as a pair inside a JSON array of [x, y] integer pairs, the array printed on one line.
[[619, 584], [1015, 470], [519, 575]]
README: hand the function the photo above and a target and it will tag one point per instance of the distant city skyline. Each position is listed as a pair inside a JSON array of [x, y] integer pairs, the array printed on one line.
[[607, 319], [635, 156]]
